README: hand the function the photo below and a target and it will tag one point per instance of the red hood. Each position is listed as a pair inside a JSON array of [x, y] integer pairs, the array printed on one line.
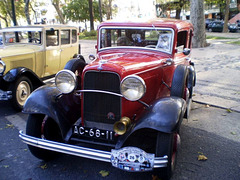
[[128, 62]]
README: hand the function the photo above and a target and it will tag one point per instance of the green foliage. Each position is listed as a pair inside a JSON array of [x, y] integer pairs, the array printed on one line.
[[88, 35], [78, 10]]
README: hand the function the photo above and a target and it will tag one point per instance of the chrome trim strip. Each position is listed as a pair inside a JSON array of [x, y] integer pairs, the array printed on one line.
[[78, 150], [98, 91]]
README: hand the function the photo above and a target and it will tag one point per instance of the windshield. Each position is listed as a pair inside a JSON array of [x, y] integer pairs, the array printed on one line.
[[153, 38], [22, 37]]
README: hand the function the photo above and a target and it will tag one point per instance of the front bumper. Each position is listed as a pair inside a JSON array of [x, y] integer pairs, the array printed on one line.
[[79, 151], [5, 95]]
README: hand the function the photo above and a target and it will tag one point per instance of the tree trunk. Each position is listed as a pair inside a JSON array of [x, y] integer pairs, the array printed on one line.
[[198, 20], [226, 17], [5, 19], [56, 4], [26, 11], [100, 10], [91, 14]]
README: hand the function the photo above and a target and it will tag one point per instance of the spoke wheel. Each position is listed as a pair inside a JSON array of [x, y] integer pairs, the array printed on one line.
[[21, 89]]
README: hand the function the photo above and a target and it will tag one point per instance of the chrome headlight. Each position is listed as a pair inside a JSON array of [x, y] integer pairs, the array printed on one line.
[[2, 67], [133, 87], [65, 81]]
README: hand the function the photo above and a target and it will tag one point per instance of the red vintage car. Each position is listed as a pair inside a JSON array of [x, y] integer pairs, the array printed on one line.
[[126, 106]]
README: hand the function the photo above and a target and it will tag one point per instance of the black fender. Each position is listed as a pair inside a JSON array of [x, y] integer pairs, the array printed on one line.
[[15, 73], [63, 109], [165, 115]]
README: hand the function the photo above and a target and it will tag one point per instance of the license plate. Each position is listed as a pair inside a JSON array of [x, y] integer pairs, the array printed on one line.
[[94, 133], [132, 159]]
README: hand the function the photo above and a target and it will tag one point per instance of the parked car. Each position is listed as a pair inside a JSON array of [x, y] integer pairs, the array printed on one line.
[[233, 27], [30, 54], [208, 21], [215, 26], [125, 107]]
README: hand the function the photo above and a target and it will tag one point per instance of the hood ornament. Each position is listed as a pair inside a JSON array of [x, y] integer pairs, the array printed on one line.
[[101, 62]]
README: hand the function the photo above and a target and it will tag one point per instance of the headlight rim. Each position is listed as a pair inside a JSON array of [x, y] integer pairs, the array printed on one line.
[[4, 66], [138, 78], [74, 78]]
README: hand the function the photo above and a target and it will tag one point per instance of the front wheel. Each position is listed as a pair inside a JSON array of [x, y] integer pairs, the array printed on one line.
[[41, 126], [167, 145], [21, 89]]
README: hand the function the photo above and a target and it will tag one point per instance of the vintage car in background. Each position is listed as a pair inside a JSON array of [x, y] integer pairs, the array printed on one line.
[[30, 54], [126, 106], [233, 27]]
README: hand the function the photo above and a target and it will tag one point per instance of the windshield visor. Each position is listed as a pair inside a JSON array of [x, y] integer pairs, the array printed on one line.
[[151, 38]]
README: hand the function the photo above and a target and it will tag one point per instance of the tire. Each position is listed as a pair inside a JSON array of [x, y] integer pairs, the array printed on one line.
[[76, 66], [41, 127], [21, 89], [167, 145]]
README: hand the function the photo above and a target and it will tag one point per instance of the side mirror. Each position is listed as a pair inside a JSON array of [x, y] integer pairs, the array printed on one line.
[[91, 57], [186, 51]]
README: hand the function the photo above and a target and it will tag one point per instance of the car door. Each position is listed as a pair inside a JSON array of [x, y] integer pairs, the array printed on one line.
[[69, 45], [53, 51]]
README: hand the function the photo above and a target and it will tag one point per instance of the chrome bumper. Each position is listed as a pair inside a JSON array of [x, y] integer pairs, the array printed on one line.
[[5, 95], [79, 151]]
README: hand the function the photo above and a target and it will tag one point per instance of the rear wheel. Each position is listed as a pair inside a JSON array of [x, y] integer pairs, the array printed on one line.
[[21, 89], [40, 126], [167, 145]]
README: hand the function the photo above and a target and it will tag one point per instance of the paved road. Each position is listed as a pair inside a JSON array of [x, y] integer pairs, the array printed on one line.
[[213, 132]]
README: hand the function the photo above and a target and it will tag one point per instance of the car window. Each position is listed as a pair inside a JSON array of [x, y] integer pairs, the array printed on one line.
[[23, 37], [74, 36], [52, 37], [151, 38], [181, 40], [65, 37]]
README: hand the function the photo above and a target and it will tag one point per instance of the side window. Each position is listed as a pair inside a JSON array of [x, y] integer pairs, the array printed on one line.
[[52, 37], [181, 41], [74, 36], [65, 37]]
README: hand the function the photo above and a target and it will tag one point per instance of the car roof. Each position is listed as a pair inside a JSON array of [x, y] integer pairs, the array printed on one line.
[[38, 27], [157, 22]]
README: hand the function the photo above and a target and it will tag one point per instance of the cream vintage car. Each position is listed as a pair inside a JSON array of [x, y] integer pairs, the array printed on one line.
[[30, 54]]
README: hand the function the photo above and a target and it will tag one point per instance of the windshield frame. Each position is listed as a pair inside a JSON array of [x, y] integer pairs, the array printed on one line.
[[6, 32], [153, 28]]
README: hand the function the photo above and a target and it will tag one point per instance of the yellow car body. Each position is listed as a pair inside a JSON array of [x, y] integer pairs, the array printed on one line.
[[35, 52]]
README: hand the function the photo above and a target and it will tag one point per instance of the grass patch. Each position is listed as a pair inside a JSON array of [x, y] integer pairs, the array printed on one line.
[[218, 37], [234, 42]]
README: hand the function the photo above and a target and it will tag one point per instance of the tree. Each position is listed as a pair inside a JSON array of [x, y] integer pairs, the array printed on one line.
[[198, 20], [26, 11], [226, 17], [90, 4], [56, 4]]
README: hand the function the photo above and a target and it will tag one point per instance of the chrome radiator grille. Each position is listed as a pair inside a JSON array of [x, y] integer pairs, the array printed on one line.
[[101, 107]]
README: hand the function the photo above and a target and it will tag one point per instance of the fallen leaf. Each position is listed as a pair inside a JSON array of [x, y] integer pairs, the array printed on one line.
[[104, 173], [229, 110], [155, 177], [233, 133], [25, 149], [224, 115], [6, 166], [201, 157], [9, 126], [44, 166], [207, 106], [195, 119]]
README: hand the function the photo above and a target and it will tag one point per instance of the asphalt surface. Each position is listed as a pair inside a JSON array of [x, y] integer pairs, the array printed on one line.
[[213, 130]]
